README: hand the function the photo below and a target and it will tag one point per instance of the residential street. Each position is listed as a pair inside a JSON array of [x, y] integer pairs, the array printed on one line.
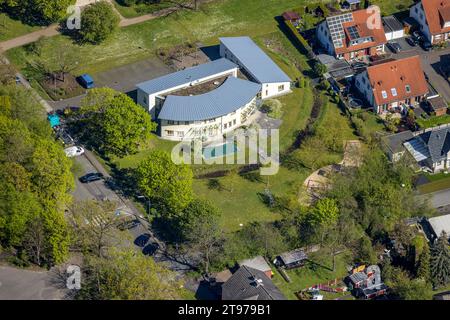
[[18, 284]]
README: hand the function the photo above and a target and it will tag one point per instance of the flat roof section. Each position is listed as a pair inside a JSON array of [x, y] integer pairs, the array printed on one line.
[[255, 60], [233, 94], [391, 23], [185, 76]]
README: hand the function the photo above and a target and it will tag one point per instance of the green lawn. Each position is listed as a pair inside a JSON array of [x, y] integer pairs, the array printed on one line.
[[437, 182], [388, 7], [312, 274], [10, 28], [433, 121], [133, 43]]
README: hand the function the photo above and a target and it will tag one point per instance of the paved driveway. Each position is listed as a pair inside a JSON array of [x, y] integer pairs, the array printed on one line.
[[123, 79], [430, 64], [18, 284]]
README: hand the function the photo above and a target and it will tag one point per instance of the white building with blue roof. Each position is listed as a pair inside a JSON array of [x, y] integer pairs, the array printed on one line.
[[148, 91], [209, 100], [256, 65]]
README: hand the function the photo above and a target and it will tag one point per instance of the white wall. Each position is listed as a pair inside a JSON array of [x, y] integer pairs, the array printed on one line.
[[392, 35], [219, 122], [270, 90]]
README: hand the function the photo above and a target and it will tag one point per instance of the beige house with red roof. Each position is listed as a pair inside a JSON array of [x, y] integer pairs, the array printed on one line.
[[393, 85], [433, 17], [353, 35]]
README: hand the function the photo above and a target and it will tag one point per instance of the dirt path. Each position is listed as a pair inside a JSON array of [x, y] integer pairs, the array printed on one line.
[[53, 30]]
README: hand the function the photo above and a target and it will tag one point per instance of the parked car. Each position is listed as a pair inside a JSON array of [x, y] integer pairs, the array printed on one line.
[[355, 103], [412, 41], [141, 240], [417, 35], [86, 81], [394, 47], [91, 177], [74, 151], [426, 46], [65, 137], [150, 249]]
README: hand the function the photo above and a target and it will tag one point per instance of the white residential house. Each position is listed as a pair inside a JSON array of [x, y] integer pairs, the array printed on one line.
[[256, 65]]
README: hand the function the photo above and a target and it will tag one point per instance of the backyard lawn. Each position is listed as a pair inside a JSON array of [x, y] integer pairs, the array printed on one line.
[[440, 181], [318, 271], [433, 121]]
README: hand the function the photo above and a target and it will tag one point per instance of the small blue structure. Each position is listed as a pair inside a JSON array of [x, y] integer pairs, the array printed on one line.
[[54, 120], [87, 81]]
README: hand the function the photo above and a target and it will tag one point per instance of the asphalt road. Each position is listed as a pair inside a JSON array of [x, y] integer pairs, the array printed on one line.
[[18, 284]]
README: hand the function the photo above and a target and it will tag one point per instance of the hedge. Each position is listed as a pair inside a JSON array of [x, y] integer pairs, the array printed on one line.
[[300, 40]]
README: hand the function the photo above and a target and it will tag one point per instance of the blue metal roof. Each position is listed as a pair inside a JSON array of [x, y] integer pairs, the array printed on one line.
[[253, 58], [233, 94], [185, 76]]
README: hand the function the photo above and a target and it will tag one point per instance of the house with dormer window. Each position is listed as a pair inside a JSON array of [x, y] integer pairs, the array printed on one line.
[[433, 17], [353, 35], [393, 85]]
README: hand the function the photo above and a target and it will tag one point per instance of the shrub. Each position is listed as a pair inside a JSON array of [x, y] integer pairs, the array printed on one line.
[[99, 21]]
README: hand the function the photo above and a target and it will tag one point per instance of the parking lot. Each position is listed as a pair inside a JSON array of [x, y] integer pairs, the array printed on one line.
[[123, 79]]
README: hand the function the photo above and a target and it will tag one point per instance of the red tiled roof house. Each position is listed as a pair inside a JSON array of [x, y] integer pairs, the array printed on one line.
[[433, 17], [393, 85], [352, 35]]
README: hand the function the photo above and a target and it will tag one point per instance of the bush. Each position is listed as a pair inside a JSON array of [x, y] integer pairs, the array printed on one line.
[[273, 108], [304, 46], [99, 21]]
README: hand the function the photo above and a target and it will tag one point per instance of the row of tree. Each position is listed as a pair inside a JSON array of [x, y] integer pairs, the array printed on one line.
[[35, 180]]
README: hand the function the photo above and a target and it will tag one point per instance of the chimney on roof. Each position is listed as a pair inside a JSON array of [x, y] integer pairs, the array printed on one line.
[[380, 82], [402, 78]]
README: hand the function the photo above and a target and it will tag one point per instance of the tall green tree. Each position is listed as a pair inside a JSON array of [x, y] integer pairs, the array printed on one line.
[[114, 123], [440, 261], [325, 212], [204, 234], [38, 11], [167, 184], [94, 226], [423, 265], [128, 275], [98, 22]]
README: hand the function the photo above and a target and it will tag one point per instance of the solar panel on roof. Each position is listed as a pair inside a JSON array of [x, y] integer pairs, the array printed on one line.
[[336, 29], [353, 32]]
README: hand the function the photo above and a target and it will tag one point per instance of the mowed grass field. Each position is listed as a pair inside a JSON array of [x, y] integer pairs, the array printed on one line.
[[133, 43], [10, 28]]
